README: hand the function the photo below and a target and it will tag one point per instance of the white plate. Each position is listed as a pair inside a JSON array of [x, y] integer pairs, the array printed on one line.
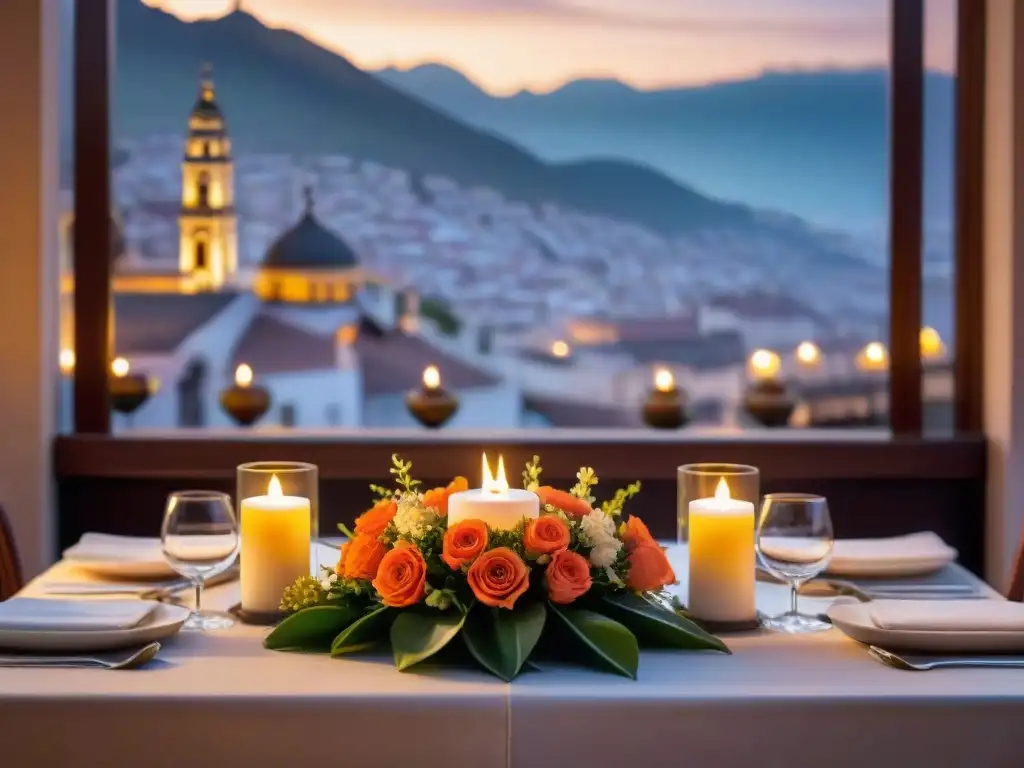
[[164, 622], [124, 569], [854, 620], [908, 567]]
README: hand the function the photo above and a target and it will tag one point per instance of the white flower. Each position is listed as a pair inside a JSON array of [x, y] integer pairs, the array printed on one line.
[[412, 518], [597, 530], [332, 578], [325, 585], [604, 555]]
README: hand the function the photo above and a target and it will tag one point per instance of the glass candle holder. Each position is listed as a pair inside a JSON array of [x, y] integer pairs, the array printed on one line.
[[717, 508], [279, 511]]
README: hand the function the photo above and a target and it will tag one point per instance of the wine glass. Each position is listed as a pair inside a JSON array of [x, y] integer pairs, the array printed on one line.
[[200, 540], [794, 542]]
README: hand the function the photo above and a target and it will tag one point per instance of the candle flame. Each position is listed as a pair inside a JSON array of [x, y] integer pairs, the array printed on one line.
[[274, 489], [560, 349], [431, 377], [722, 491], [243, 375], [120, 367], [495, 483], [808, 353], [764, 364], [664, 381], [67, 361]]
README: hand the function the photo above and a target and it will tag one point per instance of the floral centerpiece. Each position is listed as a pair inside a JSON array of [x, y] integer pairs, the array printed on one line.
[[576, 579]]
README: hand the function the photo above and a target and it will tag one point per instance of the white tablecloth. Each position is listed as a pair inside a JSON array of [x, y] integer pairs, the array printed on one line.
[[221, 699]]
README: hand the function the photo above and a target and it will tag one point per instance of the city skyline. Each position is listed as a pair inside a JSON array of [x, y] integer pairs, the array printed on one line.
[[645, 43]]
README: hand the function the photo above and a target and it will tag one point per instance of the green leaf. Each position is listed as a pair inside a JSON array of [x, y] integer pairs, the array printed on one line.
[[418, 636], [655, 626], [311, 629], [363, 632], [604, 641], [500, 640]]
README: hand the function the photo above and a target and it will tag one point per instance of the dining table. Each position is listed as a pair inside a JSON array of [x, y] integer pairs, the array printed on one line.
[[220, 698]]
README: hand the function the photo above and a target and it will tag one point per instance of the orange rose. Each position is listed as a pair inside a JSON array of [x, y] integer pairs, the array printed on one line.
[[636, 534], [649, 568], [340, 567], [568, 576], [402, 577], [362, 556], [546, 534], [438, 497], [498, 577], [376, 519], [463, 542], [564, 501]]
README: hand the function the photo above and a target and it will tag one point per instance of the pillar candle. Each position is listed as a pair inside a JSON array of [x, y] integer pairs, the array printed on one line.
[[275, 547], [722, 558]]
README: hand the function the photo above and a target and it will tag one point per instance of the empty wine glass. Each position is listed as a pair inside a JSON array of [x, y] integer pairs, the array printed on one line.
[[200, 540], [794, 542]]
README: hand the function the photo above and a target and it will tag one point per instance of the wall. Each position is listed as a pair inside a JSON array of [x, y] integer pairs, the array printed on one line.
[[29, 271], [311, 393]]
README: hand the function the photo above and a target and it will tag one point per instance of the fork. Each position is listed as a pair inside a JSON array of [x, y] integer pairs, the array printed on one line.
[[132, 661], [921, 664]]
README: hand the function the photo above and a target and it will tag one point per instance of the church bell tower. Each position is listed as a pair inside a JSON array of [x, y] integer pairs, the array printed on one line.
[[209, 236]]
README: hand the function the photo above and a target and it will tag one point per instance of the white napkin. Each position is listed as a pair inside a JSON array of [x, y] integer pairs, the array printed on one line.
[[896, 550], [29, 613], [107, 547], [948, 615]]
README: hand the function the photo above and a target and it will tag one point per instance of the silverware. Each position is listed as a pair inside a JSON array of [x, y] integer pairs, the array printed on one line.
[[162, 591], [132, 660], [894, 591], [921, 664]]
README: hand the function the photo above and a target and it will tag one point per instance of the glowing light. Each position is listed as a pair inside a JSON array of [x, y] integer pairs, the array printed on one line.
[[808, 353], [722, 491], [664, 381], [764, 364], [243, 375], [931, 344], [873, 357], [431, 377], [560, 349], [67, 361], [274, 488], [494, 483], [120, 367]]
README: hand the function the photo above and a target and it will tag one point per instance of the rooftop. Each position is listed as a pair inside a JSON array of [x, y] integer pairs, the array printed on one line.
[[158, 323]]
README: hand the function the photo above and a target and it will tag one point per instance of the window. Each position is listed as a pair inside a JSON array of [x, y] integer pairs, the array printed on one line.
[[631, 212], [287, 414]]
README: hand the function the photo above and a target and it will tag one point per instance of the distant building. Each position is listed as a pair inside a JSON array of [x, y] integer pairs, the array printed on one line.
[[209, 227]]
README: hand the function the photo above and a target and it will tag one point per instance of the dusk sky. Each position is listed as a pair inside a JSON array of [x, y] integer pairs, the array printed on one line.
[[507, 45]]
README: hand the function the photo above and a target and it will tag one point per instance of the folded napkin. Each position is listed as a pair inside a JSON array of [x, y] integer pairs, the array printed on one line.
[[29, 613], [106, 547], [896, 550], [948, 615]]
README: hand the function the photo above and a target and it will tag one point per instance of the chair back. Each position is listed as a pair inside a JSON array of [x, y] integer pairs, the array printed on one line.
[[11, 577]]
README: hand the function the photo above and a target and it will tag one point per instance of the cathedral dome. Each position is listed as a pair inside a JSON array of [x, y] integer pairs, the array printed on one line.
[[310, 245]]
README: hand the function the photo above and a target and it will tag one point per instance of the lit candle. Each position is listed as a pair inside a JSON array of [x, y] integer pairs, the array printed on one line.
[[560, 349], [873, 357], [764, 365], [494, 503], [664, 381], [243, 376], [67, 361], [431, 378], [808, 354], [931, 344], [120, 367], [275, 547], [722, 558]]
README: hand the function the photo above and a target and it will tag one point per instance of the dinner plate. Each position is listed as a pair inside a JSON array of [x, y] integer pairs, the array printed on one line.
[[164, 622], [907, 567], [854, 620]]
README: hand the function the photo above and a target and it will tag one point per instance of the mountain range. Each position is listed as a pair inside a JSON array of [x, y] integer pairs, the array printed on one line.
[[282, 93], [813, 144]]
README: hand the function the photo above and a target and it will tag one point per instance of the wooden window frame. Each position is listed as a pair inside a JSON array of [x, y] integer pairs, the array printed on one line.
[[93, 58]]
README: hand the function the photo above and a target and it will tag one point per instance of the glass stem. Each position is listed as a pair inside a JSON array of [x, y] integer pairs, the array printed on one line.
[[792, 599], [197, 585]]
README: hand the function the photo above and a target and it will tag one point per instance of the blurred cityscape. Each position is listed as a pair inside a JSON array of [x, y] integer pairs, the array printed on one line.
[[547, 293]]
